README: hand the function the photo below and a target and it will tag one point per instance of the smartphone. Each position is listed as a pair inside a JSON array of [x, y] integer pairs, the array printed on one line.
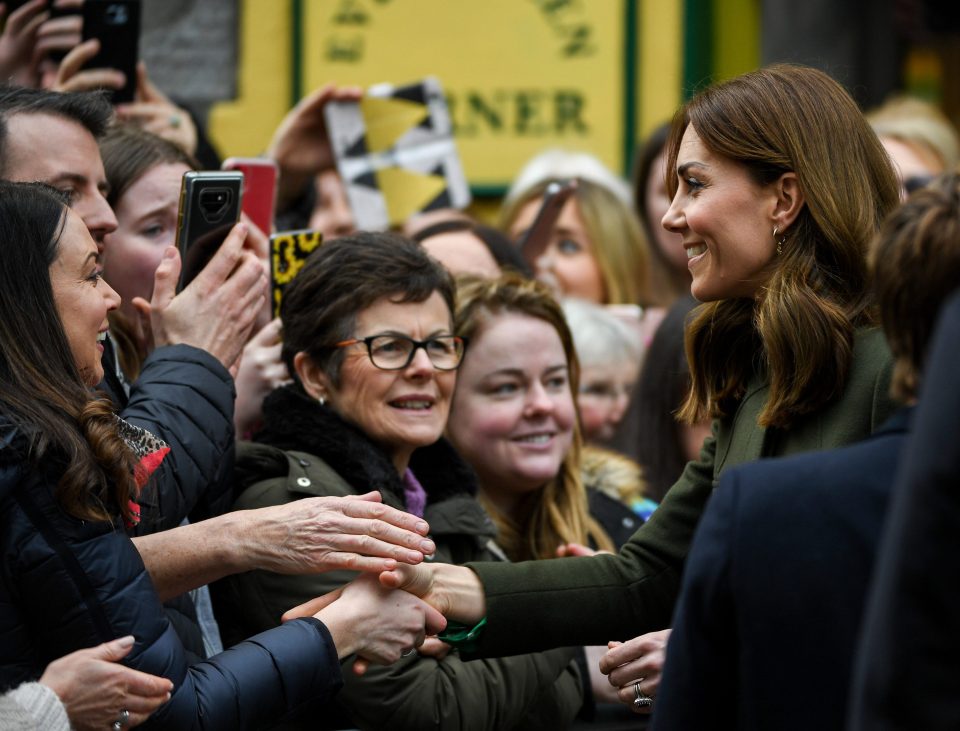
[[116, 24], [535, 241], [259, 188], [209, 208], [288, 252]]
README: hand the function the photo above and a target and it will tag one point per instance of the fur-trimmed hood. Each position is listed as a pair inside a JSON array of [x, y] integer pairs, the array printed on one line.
[[295, 422]]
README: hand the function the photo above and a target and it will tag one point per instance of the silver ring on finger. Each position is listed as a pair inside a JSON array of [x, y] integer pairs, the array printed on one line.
[[642, 700], [123, 718], [408, 653]]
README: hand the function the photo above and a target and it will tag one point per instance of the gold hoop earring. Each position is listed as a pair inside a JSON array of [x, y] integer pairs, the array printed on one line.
[[780, 241]]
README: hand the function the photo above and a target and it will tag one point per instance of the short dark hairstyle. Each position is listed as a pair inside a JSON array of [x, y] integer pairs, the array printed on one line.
[[129, 152], [501, 248], [90, 109], [915, 265], [343, 278]]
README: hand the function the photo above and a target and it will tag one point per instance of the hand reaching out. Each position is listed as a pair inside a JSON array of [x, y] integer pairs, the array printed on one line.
[[369, 620], [18, 42], [301, 145], [153, 111], [637, 660]]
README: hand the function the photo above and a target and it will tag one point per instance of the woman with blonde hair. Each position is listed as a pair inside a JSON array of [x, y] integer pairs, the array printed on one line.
[[779, 185], [514, 417], [597, 251]]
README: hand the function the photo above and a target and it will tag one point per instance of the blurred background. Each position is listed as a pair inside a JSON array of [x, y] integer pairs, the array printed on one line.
[[522, 75]]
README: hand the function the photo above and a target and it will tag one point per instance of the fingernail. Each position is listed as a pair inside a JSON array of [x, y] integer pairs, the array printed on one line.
[[427, 546], [422, 527], [170, 252], [125, 641]]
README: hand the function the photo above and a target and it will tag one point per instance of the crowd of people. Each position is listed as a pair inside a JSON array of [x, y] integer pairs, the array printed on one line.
[[644, 467]]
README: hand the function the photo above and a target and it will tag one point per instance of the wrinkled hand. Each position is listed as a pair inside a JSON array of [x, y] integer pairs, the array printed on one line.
[[217, 310], [319, 534], [261, 371], [301, 145], [18, 42], [639, 659], [153, 111], [94, 686]]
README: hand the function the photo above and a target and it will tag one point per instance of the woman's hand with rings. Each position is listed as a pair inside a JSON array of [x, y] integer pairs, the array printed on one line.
[[634, 668], [99, 693]]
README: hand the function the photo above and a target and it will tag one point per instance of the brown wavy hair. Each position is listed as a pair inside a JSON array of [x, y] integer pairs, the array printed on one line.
[[915, 265], [557, 513], [42, 392], [799, 328]]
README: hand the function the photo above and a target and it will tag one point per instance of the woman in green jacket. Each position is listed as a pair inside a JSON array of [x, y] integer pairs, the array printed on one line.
[[368, 331], [778, 185]]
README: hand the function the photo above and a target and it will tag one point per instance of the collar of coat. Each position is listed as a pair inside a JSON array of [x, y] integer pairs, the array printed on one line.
[[292, 421]]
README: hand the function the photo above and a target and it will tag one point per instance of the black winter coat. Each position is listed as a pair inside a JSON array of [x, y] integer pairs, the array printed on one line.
[[66, 584]]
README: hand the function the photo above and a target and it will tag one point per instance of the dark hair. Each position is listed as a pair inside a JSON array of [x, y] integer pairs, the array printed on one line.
[[666, 279], [90, 109], [129, 152], [661, 389], [915, 263], [41, 390], [801, 324], [343, 278], [501, 248]]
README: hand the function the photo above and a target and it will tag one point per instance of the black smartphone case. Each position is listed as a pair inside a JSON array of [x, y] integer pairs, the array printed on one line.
[[209, 208], [116, 24]]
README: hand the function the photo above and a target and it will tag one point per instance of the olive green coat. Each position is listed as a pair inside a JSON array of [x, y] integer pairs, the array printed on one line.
[[588, 601]]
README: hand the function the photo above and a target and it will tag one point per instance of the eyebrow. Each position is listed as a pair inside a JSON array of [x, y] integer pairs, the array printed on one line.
[[520, 373], [443, 331], [682, 169]]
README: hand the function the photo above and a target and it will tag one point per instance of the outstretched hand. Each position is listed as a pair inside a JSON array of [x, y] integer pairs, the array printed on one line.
[[301, 144], [18, 42], [377, 624], [318, 534], [153, 111], [639, 660]]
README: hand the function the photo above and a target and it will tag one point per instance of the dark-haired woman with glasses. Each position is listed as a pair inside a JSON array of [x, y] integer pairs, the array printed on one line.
[[368, 333]]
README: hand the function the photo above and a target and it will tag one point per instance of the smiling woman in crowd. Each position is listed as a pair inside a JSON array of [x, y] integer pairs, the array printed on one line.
[[778, 186], [368, 331]]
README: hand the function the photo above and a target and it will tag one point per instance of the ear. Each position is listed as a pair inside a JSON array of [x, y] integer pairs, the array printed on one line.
[[314, 380], [790, 201]]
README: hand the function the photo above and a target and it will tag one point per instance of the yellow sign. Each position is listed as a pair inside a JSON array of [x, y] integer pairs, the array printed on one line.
[[520, 75]]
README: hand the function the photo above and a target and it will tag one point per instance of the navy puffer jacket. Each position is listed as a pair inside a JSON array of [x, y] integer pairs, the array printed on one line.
[[66, 584]]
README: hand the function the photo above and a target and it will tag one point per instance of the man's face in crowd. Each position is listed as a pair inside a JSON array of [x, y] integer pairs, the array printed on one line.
[[63, 154]]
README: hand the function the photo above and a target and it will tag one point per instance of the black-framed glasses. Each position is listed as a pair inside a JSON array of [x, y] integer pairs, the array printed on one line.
[[395, 352]]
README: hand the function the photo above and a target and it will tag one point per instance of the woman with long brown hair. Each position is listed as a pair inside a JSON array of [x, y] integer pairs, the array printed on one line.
[[70, 471], [778, 185]]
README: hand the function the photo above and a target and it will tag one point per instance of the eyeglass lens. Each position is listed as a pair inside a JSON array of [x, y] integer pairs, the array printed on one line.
[[394, 351]]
